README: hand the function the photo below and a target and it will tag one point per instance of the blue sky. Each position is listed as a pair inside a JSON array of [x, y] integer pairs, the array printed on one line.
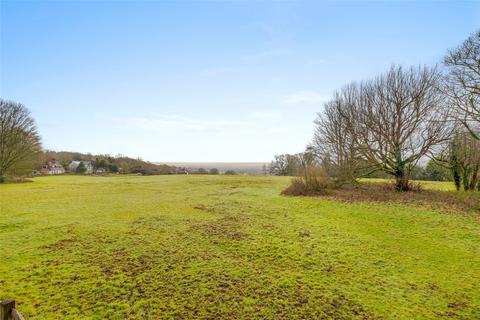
[[205, 81]]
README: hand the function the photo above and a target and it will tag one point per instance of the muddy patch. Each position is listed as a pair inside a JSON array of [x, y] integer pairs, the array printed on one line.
[[147, 224], [220, 208], [61, 244], [225, 228]]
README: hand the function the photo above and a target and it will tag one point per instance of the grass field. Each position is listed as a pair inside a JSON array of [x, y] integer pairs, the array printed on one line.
[[218, 247]]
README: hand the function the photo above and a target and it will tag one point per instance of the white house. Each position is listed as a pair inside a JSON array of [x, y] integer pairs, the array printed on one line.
[[88, 166], [53, 167]]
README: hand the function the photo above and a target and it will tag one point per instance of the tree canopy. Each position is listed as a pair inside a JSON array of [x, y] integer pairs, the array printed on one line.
[[19, 140]]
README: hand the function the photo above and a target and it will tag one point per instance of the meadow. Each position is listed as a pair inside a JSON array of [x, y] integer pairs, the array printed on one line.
[[229, 247]]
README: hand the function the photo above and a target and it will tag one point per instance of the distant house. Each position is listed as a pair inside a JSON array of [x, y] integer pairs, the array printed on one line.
[[88, 166], [100, 171], [52, 167], [180, 170]]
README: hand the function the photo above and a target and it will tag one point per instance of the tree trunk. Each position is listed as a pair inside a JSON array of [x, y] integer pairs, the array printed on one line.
[[466, 180], [473, 180], [401, 179], [401, 184], [457, 179]]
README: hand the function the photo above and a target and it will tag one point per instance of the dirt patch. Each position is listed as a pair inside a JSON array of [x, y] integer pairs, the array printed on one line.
[[227, 227], [121, 262], [334, 307], [60, 244], [269, 226], [221, 208], [457, 305], [145, 224], [205, 208]]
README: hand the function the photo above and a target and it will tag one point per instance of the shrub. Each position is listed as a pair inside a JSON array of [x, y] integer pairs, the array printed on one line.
[[297, 187], [313, 182]]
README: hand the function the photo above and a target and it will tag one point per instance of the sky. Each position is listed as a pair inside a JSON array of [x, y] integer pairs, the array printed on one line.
[[205, 81]]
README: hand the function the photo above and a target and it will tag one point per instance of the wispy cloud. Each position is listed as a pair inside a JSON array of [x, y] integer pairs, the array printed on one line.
[[304, 96], [266, 54], [176, 121]]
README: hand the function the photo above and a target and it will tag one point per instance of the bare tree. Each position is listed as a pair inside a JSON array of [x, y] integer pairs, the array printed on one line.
[[19, 140], [463, 82], [284, 165], [396, 119], [334, 142]]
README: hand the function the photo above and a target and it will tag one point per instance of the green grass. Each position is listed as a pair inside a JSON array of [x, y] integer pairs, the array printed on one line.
[[217, 247]]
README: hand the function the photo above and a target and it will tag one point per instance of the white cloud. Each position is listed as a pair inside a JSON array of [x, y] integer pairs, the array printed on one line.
[[176, 121], [304, 96]]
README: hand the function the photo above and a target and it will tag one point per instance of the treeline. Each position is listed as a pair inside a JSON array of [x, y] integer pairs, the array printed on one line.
[[291, 165], [212, 171], [109, 163], [388, 124]]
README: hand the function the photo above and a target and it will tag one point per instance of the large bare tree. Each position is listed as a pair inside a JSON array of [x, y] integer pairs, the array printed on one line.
[[19, 139], [284, 165], [333, 140], [398, 118], [463, 82]]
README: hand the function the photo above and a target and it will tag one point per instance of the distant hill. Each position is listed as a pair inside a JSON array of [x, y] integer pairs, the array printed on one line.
[[239, 167]]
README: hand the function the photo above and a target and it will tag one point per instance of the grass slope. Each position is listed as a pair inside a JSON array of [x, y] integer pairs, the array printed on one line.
[[216, 247]]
